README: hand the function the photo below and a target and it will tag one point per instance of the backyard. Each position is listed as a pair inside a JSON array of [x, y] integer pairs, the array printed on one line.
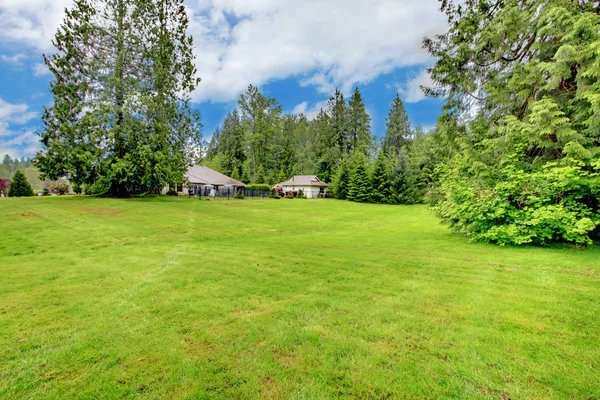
[[302, 299]]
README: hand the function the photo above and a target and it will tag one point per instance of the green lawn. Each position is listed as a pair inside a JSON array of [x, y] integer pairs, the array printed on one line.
[[291, 299]]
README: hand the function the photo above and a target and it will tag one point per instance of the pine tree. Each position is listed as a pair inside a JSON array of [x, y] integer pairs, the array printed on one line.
[[401, 190], [358, 125], [381, 182], [19, 187], [397, 132], [121, 117], [359, 189], [261, 118], [338, 113], [341, 181]]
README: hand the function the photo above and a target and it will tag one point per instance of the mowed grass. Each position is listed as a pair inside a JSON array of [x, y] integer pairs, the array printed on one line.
[[289, 299]]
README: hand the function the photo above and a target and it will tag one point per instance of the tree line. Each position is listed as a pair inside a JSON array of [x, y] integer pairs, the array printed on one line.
[[258, 143]]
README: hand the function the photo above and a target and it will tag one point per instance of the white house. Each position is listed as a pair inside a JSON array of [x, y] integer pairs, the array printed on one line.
[[312, 186], [202, 180]]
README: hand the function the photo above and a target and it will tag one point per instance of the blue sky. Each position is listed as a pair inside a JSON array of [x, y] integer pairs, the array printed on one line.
[[297, 52]]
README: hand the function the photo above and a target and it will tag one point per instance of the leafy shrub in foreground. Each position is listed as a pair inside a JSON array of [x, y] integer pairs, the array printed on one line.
[[20, 187], [60, 188], [240, 195], [557, 203], [172, 192]]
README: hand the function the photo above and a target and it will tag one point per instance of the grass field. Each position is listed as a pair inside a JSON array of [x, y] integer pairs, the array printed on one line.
[[290, 299]]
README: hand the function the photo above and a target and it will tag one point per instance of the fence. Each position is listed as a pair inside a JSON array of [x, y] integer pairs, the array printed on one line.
[[228, 192]]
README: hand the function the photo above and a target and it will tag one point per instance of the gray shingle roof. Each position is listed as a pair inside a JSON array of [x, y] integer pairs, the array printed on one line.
[[304, 180], [200, 174]]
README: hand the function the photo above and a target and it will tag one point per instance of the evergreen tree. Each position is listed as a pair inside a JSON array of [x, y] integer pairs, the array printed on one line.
[[338, 114], [401, 190], [261, 118], [121, 118], [341, 181], [359, 189], [19, 187], [397, 132], [381, 180], [358, 125], [521, 85]]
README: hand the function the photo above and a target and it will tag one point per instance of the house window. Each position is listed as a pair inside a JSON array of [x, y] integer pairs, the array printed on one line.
[[180, 188]]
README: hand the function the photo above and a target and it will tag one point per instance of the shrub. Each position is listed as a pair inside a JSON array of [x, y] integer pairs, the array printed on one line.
[[240, 195], [258, 186], [99, 188], [60, 188], [20, 187], [274, 194], [301, 194], [4, 185], [77, 188], [172, 192], [290, 195], [45, 192]]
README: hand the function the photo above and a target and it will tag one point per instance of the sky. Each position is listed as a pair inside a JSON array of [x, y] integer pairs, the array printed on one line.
[[296, 51]]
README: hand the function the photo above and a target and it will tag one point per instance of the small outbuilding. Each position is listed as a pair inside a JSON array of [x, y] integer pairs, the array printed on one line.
[[312, 186]]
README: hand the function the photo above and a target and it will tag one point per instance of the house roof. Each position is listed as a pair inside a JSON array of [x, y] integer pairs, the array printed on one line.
[[200, 174], [304, 180]]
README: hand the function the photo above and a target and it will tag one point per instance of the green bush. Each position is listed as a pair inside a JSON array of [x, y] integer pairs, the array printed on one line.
[[274, 194], [258, 186], [99, 188], [240, 195], [172, 192], [77, 188], [290, 195], [555, 203], [19, 187], [301, 194]]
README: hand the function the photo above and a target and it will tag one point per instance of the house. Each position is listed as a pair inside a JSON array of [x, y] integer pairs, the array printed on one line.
[[312, 186], [203, 180]]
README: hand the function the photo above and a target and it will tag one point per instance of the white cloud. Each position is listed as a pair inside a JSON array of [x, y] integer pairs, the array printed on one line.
[[239, 42], [16, 59], [19, 142], [309, 110], [411, 91], [40, 70]]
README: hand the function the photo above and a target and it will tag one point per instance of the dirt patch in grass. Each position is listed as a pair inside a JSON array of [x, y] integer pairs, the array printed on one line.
[[28, 214]]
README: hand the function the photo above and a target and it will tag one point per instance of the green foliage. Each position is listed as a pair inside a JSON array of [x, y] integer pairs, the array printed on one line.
[[240, 195], [172, 192], [274, 194], [359, 188], [77, 188], [122, 116], [397, 128], [381, 180], [301, 194], [258, 186], [289, 195], [101, 187], [341, 180], [19, 187], [527, 163]]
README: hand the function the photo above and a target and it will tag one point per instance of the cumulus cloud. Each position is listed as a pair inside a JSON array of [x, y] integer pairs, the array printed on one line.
[[411, 91], [16, 59], [14, 138], [309, 110], [40, 70], [324, 44]]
